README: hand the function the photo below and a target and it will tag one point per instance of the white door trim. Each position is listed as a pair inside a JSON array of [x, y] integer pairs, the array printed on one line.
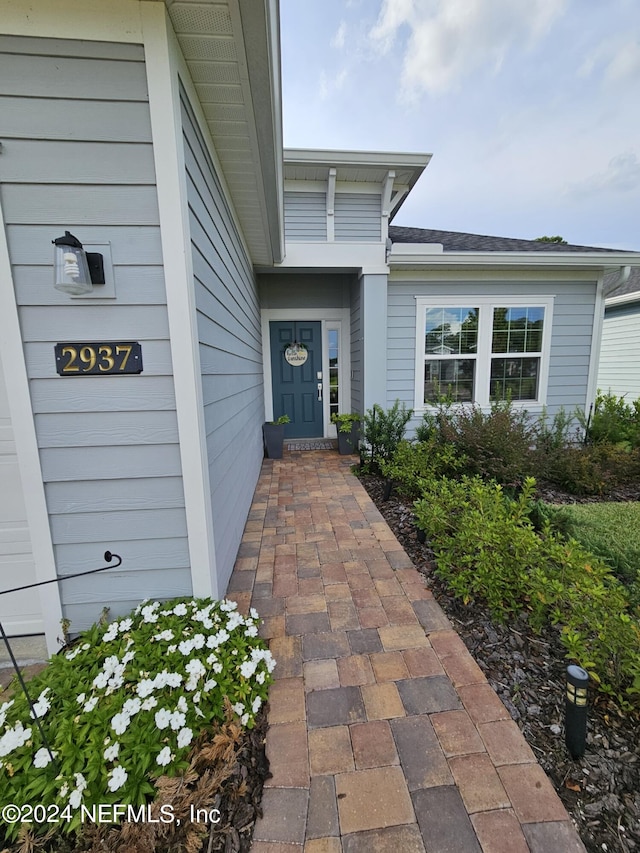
[[329, 318]]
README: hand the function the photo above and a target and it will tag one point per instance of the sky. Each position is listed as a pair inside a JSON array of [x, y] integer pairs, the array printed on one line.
[[530, 108]]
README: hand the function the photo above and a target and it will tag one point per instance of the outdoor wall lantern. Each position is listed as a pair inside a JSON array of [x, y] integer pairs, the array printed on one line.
[[76, 271]]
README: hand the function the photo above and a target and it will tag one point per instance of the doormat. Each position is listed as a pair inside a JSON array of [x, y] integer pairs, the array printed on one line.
[[311, 444]]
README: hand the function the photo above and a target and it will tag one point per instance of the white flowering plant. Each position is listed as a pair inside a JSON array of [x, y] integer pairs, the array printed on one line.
[[126, 705]]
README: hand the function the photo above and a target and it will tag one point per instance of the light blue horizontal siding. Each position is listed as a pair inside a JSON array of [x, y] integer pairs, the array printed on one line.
[[77, 155], [229, 333], [619, 370], [358, 217], [573, 315], [305, 216]]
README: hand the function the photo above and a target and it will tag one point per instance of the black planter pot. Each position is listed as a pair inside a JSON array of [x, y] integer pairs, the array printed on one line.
[[348, 441], [273, 435]]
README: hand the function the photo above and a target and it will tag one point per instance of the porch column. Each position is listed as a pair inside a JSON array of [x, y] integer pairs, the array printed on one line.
[[373, 300]]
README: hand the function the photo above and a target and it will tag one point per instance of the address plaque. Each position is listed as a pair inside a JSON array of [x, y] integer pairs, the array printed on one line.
[[106, 358]]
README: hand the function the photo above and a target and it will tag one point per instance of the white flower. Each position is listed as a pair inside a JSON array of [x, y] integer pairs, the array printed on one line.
[[180, 609], [3, 710], [128, 656], [149, 613], [73, 653], [228, 606], [195, 667], [186, 647], [117, 778], [197, 696], [149, 703], [91, 704], [257, 702], [43, 757], [145, 687], [260, 677], [111, 633], [177, 720], [164, 757], [171, 649], [164, 635], [182, 705], [209, 685], [253, 613], [211, 659], [42, 705], [80, 699], [248, 668], [234, 621], [198, 641], [111, 752], [64, 790], [185, 736], [125, 625], [238, 708], [244, 719], [81, 782], [131, 707], [163, 718], [101, 680], [14, 738], [251, 631], [217, 667], [75, 798], [120, 722]]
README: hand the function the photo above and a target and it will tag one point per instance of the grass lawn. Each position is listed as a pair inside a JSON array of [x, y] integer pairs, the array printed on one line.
[[611, 531]]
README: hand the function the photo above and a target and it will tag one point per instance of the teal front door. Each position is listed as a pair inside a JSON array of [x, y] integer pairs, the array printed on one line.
[[296, 374]]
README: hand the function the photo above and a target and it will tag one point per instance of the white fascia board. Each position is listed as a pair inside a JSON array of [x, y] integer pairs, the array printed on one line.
[[389, 159], [90, 20], [596, 344], [623, 299], [406, 255], [369, 257]]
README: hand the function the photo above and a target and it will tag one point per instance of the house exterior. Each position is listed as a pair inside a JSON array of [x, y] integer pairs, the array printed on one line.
[[151, 131], [619, 370]]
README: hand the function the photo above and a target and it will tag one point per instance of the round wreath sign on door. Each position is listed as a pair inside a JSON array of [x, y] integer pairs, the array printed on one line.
[[296, 354]]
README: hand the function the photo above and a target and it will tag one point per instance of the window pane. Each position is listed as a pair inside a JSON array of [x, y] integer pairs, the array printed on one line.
[[514, 378], [451, 331], [333, 371], [449, 377], [517, 329]]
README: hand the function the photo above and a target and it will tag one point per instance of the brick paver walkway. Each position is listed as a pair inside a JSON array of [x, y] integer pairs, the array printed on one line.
[[384, 735]]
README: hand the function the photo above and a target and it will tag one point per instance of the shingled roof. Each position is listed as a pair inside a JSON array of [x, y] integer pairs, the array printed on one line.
[[459, 241], [631, 285]]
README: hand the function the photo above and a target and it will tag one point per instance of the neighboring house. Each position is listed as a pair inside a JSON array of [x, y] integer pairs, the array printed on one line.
[[152, 132], [619, 371]]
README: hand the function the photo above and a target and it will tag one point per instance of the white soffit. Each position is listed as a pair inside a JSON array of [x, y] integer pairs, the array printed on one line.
[[232, 51]]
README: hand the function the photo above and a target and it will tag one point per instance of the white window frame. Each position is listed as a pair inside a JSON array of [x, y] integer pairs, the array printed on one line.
[[485, 304]]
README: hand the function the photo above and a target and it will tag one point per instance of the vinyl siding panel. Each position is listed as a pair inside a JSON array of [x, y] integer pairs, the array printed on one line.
[[305, 216], [358, 217], [619, 370], [573, 315], [108, 444], [228, 322]]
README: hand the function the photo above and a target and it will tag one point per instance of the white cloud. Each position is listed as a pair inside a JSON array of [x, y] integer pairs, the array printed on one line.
[[621, 176], [618, 58], [450, 39], [331, 83], [338, 40]]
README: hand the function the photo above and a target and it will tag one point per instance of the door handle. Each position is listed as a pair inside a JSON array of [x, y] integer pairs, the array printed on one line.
[[319, 392]]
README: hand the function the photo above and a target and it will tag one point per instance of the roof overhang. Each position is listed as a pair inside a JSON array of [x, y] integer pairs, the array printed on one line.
[[232, 51], [395, 172], [624, 299], [417, 256]]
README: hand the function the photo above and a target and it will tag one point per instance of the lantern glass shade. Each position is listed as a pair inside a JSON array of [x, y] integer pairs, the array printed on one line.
[[71, 268]]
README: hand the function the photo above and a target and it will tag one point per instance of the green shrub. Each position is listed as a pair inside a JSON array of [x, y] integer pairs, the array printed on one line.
[[496, 445], [412, 464], [126, 704], [382, 432], [487, 549], [613, 420]]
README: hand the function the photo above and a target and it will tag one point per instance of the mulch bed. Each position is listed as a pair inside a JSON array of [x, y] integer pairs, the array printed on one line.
[[601, 791]]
